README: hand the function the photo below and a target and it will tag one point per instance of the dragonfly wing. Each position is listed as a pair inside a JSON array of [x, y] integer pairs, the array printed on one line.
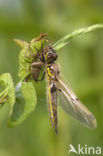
[[73, 106]]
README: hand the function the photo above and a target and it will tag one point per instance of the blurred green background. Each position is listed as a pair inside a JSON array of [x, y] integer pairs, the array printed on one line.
[[81, 65]]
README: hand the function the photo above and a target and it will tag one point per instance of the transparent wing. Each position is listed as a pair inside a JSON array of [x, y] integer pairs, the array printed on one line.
[[73, 106]]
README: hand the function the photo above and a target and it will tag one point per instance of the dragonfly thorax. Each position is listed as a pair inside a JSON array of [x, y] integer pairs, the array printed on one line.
[[53, 71]]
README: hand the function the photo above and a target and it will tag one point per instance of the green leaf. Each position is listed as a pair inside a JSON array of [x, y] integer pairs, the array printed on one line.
[[65, 40], [28, 55], [8, 94], [21, 43], [25, 103]]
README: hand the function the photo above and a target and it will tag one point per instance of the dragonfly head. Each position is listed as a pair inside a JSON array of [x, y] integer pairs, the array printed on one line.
[[50, 54]]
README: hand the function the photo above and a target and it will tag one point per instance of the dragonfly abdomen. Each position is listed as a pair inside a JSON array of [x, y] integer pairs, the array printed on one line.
[[52, 101]]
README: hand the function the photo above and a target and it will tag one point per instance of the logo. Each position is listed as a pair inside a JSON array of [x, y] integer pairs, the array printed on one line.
[[85, 149]]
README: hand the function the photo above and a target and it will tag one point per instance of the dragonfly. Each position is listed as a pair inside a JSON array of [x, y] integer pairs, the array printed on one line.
[[69, 101], [56, 86]]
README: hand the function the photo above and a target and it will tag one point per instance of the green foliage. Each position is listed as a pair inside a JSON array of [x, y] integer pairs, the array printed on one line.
[[25, 103], [66, 39], [8, 94]]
